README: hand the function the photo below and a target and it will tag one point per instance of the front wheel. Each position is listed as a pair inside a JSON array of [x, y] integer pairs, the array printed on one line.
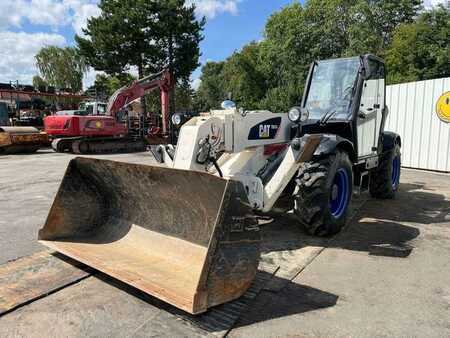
[[323, 193], [385, 179]]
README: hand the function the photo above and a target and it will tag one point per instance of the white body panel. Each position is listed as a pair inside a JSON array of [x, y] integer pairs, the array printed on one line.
[[230, 130], [195, 129], [241, 138]]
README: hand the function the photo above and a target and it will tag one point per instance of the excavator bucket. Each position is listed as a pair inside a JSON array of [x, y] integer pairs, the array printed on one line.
[[185, 237], [15, 140]]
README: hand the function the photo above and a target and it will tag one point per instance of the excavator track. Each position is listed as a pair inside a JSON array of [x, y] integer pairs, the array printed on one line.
[[84, 146], [108, 145], [62, 145]]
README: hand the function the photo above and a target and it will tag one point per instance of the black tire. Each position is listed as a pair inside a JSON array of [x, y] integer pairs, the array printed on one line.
[[382, 178], [315, 185]]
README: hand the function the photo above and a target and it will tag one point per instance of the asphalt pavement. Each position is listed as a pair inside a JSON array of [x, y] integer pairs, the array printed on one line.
[[386, 275]]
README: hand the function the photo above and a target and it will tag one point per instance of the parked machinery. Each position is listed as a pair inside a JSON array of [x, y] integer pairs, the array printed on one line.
[[4, 114], [110, 132], [188, 233], [14, 140]]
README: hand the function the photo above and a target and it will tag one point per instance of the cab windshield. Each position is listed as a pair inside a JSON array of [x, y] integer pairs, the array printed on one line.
[[331, 89]]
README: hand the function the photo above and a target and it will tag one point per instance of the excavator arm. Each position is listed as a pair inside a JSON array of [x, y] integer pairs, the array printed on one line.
[[125, 95]]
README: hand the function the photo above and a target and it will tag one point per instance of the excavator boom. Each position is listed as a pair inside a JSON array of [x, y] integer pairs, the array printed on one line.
[[127, 94]]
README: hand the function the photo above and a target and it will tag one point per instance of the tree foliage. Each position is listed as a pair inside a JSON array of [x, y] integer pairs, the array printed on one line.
[[242, 78], [39, 82], [421, 50], [212, 89], [62, 67], [270, 74], [183, 97], [146, 34], [106, 85]]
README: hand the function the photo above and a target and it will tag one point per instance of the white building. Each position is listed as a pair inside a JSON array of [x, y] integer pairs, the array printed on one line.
[[416, 109]]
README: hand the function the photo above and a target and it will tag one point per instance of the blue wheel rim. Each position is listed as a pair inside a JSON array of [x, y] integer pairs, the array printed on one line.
[[396, 172], [340, 193]]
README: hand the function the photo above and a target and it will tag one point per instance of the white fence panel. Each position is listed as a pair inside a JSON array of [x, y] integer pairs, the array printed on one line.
[[413, 115]]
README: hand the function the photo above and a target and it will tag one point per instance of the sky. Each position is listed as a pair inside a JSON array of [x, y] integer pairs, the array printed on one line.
[[28, 25]]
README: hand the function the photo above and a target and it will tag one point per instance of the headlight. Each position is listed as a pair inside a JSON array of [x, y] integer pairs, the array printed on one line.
[[176, 119], [294, 114], [297, 114]]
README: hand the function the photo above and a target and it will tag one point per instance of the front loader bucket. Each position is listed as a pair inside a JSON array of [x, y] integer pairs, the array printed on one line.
[[185, 237]]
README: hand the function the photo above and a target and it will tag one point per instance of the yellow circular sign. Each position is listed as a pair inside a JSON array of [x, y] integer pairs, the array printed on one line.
[[443, 107], [98, 124]]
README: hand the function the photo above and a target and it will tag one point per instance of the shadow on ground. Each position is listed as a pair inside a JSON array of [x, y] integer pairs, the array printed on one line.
[[394, 222], [293, 299], [392, 225], [42, 151]]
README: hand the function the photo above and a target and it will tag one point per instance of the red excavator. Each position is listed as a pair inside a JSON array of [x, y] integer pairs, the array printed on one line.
[[83, 133]]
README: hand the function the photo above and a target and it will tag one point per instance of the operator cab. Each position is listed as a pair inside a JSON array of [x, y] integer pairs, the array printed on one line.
[[331, 89], [346, 97], [94, 108]]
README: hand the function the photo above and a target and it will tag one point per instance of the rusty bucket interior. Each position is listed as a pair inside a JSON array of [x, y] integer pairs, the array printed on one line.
[[181, 236]]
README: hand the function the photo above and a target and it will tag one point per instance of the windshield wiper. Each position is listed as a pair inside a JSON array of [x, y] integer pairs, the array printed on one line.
[[327, 116]]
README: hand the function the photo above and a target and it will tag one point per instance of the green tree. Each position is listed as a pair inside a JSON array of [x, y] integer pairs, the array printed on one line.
[[121, 37], [271, 73], [211, 91], [147, 34], [62, 67], [39, 83], [285, 57], [421, 50], [183, 97], [374, 23], [243, 78], [178, 37], [108, 84]]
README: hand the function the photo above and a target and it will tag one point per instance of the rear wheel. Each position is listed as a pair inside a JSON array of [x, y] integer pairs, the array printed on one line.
[[323, 193], [385, 180]]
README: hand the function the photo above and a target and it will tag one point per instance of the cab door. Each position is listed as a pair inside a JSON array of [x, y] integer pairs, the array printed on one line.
[[371, 108]]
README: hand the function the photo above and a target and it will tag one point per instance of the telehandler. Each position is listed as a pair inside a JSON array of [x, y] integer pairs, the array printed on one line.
[[187, 233]]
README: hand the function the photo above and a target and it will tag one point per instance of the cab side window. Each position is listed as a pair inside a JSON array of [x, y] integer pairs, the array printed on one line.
[[377, 71], [101, 109]]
